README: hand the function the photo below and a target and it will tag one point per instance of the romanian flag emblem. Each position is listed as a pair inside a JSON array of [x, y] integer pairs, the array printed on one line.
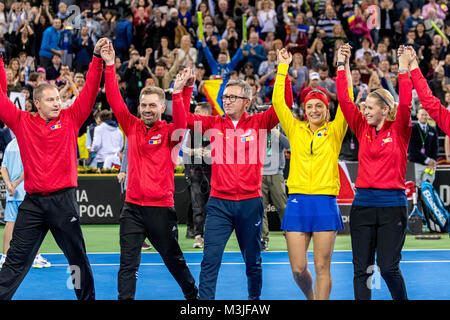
[[386, 141], [56, 126], [154, 141], [245, 139]]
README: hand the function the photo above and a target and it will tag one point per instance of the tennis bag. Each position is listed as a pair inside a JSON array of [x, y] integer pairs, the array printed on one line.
[[436, 216]]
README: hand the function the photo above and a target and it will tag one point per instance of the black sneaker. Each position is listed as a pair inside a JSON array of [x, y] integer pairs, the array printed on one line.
[[264, 245]]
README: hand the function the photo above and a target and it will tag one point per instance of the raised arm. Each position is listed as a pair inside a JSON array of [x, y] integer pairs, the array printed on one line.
[[278, 97], [430, 103], [350, 111], [113, 95], [3, 81], [83, 104], [178, 107], [403, 116], [9, 113]]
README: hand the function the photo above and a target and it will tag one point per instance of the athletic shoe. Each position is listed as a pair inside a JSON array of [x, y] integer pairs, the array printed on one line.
[[2, 261], [40, 262], [199, 242], [146, 246], [264, 245]]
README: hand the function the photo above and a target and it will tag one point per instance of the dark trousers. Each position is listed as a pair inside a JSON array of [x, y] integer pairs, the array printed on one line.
[[200, 188], [159, 225], [222, 216], [274, 191], [381, 231], [57, 212]]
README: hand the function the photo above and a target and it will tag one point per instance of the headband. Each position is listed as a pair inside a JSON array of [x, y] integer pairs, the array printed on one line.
[[317, 94], [379, 95]]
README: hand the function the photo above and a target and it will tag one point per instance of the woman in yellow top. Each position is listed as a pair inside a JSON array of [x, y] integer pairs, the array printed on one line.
[[312, 210]]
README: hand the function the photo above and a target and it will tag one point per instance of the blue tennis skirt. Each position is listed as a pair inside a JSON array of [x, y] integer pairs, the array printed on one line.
[[312, 213]]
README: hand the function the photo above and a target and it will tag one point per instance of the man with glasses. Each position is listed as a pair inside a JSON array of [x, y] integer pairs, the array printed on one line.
[[235, 202]]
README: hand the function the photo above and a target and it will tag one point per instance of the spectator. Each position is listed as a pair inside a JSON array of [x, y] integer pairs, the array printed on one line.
[[248, 70], [387, 19], [139, 25], [124, 36], [222, 15], [327, 21], [359, 28], [269, 65], [412, 20], [24, 39], [440, 14], [50, 43], [298, 72], [3, 19], [135, 76], [163, 77], [254, 51], [184, 14], [308, 86], [267, 16], [296, 39], [83, 47], [432, 18], [108, 25], [164, 50], [41, 23], [62, 13], [53, 71], [317, 55], [186, 53], [436, 84], [329, 85], [107, 142], [221, 67], [423, 147]]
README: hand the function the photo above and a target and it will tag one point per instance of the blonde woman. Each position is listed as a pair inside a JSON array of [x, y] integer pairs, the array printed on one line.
[[312, 211], [378, 217]]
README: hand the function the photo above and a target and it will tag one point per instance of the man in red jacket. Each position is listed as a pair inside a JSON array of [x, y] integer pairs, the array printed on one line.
[[48, 146], [238, 144], [153, 146]]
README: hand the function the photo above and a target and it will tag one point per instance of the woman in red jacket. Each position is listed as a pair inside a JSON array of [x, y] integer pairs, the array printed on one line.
[[379, 211]]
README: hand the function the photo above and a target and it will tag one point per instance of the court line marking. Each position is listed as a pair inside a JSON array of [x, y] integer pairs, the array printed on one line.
[[266, 252], [238, 263]]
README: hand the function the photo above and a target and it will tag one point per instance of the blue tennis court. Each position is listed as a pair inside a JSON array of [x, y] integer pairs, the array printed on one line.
[[426, 272]]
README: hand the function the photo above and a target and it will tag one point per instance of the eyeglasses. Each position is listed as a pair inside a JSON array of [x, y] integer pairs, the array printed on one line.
[[232, 98]]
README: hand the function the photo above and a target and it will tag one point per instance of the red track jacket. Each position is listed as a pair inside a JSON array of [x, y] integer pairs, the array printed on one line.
[[49, 150]]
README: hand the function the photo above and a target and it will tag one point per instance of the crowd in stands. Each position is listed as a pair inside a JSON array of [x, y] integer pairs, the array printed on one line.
[[43, 40]]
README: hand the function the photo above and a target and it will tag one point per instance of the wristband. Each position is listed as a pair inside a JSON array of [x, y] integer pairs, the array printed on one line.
[[340, 63], [97, 55], [403, 70]]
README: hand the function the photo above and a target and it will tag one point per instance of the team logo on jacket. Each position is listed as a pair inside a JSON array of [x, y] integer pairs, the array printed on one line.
[[155, 139], [56, 126], [322, 133], [247, 136], [386, 140]]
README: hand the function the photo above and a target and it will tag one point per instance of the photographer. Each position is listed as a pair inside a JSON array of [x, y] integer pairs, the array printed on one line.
[[135, 76]]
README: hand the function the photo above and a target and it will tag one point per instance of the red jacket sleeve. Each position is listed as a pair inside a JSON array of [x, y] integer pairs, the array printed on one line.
[[83, 104], [403, 116], [430, 103], [3, 81], [178, 117], [269, 117], [354, 118], [118, 106], [187, 94], [9, 113]]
